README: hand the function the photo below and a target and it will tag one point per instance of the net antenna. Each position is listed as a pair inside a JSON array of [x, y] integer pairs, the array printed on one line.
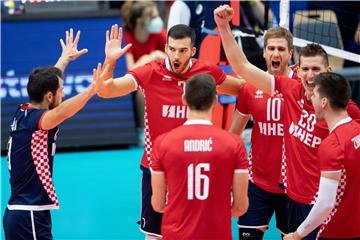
[[316, 26]]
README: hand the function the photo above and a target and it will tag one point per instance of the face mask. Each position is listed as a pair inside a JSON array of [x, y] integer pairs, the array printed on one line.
[[155, 25]]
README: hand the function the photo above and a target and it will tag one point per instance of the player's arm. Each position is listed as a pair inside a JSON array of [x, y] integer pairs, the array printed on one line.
[[67, 109], [235, 54], [240, 197], [69, 49], [325, 202], [113, 49], [231, 85], [158, 198], [113, 87], [238, 123]]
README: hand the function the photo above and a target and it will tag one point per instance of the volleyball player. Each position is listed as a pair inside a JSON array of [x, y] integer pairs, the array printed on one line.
[[302, 133], [195, 168], [162, 82]]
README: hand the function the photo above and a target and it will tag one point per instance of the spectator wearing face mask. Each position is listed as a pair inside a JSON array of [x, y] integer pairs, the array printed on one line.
[[143, 28]]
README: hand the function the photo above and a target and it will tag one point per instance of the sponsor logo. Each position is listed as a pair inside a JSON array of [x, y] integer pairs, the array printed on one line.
[[166, 78], [259, 94], [174, 111], [356, 141]]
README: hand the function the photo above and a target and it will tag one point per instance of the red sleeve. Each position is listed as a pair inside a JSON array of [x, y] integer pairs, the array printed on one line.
[[241, 162], [218, 74], [241, 104], [40, 120], [142, 74], [282, 84], [353, 111], [156, 161], [330, 155]]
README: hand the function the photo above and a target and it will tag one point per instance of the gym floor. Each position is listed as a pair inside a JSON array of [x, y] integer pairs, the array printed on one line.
[[99, 195]]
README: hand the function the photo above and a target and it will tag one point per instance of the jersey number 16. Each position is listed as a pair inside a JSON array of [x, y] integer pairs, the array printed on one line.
[[202, 181]]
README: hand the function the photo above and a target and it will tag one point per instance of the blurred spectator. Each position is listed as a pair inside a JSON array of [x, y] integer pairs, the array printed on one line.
[[144, 30]]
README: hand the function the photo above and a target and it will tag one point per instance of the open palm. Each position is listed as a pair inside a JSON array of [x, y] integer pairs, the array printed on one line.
[[113, 49], [69, 47]]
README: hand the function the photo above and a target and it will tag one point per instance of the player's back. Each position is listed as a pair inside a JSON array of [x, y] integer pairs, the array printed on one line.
[[199, 174], [30, 159], [345, 223]]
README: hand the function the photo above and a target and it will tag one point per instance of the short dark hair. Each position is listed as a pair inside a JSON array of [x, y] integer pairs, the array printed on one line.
[[334, 87], [41, 81], [312, 50], [181, 31], [200, 92]]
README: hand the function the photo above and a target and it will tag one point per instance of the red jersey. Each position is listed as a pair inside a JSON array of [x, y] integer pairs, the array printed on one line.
[[156, 41], [266, 137], [199, 161], [162, 90], [302, 137], [340, 151]]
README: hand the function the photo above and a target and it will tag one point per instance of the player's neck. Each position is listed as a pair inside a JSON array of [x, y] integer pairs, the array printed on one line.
[[199, 115], [42, 105], [287, 72], [334, 117]]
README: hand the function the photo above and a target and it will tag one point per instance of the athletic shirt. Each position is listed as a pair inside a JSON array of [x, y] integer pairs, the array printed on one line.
[[267, 135], [340, 151], [199, 161], [30, 159], [156, 41], [300, 170], [163, 90]]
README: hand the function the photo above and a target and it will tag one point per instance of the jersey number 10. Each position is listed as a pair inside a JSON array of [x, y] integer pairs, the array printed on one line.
[[202, 181]]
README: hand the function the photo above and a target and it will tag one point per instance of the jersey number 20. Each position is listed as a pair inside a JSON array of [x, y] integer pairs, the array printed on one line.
[[202, 181]]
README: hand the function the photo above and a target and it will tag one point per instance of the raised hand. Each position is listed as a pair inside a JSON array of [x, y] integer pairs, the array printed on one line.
[[99, 77], [223, 15], [113, 50], [69, 49]]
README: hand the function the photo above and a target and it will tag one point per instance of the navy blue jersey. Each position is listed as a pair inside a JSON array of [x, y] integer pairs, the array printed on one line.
[[30, 158]]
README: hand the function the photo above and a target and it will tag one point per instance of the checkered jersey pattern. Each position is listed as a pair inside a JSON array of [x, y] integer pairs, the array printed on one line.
[[339, 195], [283, 166], [250, 167], [39, 152], [147, 138]]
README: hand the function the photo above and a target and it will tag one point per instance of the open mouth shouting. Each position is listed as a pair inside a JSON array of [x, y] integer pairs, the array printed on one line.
[[275, 65]]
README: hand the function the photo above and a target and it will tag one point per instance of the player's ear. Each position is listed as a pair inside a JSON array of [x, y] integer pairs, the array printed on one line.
[[48, 97], [193, 51], [183, 99]]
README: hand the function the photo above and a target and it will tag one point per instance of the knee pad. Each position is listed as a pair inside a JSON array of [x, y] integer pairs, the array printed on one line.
[[250, 234]]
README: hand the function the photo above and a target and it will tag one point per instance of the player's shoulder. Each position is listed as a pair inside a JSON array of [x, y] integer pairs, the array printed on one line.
[[330, 144], [199, 64]]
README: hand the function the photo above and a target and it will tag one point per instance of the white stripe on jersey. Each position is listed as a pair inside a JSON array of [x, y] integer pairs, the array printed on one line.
[[33, 207]]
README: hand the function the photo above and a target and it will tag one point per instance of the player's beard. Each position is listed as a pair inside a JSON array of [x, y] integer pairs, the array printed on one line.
[[177, 67], [53, 104]]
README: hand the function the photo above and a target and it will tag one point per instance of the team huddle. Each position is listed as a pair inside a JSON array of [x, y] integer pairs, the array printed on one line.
[[302, 165]]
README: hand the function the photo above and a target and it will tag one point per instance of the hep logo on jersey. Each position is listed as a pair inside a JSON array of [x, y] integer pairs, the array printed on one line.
[[174, 111]]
